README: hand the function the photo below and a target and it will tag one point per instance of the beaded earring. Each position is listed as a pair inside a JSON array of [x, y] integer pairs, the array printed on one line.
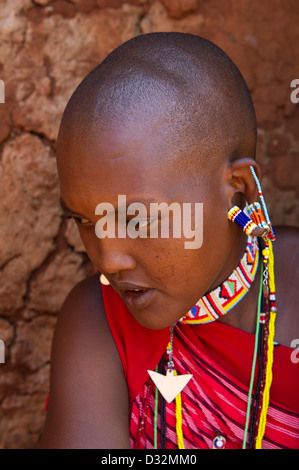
[[254, 223]]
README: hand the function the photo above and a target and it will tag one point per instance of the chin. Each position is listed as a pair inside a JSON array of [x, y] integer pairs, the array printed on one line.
[[153, 310], [154, 318]]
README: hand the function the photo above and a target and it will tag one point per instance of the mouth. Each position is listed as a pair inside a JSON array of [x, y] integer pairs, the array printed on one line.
[[135, 296]]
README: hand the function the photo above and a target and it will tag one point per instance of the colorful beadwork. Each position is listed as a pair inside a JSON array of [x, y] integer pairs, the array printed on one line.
[[219, 442], [235, 214], [219, 301], [255, 212], [258, 401]]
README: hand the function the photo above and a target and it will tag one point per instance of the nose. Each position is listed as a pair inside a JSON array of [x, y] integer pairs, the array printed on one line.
[[114, 256]]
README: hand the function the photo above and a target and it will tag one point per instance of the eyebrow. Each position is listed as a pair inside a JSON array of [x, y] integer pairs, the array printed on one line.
[[67, 210], [141, 201]]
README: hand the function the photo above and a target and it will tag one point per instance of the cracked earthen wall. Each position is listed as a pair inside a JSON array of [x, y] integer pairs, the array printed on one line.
[[46, 48]]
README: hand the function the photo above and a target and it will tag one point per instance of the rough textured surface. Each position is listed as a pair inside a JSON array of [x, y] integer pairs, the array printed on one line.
[[46, 48]]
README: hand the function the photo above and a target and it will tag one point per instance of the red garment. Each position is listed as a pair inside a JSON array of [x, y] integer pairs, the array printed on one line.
[[215, 399]]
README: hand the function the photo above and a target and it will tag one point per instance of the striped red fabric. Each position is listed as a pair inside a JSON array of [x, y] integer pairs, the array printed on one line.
[[213, 403], [215, 400]]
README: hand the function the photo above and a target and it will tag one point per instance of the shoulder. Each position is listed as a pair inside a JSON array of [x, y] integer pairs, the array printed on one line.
[[88, 406], [82, 317], [286, 262], [83, 306]]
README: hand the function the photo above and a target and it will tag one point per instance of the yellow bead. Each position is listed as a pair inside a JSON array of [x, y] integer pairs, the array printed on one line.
[[265, 252]]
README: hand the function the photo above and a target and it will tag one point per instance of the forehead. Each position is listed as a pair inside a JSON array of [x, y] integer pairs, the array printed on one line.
[[137, 158]]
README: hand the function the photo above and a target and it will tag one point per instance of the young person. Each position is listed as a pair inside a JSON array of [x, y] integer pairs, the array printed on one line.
[[167, 118]]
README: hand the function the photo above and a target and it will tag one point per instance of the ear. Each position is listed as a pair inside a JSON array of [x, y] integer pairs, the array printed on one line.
[[241, 181]]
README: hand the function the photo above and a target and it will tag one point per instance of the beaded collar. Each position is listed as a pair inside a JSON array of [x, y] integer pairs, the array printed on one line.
[[220, 300]]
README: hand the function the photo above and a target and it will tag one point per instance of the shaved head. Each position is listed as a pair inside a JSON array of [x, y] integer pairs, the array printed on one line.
[[184, 84]]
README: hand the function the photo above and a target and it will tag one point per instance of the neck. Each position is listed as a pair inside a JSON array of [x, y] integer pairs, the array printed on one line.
[[235, 293], [235, 254]]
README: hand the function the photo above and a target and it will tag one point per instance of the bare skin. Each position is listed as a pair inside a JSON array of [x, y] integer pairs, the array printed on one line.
[[89, 399]]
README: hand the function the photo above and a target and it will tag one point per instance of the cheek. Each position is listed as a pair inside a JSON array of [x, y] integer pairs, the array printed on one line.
[[190, 273], [172, 266], [172, 274], [90, 242]]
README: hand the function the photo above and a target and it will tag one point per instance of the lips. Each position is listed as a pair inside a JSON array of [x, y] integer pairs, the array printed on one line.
[[136, 296]]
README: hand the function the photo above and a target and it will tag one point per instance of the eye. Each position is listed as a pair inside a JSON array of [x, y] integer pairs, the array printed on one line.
[[80, 220], [143, 223]]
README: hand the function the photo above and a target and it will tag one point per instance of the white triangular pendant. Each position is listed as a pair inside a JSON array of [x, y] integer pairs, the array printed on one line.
[[169, 385]]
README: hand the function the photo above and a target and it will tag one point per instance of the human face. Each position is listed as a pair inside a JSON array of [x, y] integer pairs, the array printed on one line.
[[131, 159]]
